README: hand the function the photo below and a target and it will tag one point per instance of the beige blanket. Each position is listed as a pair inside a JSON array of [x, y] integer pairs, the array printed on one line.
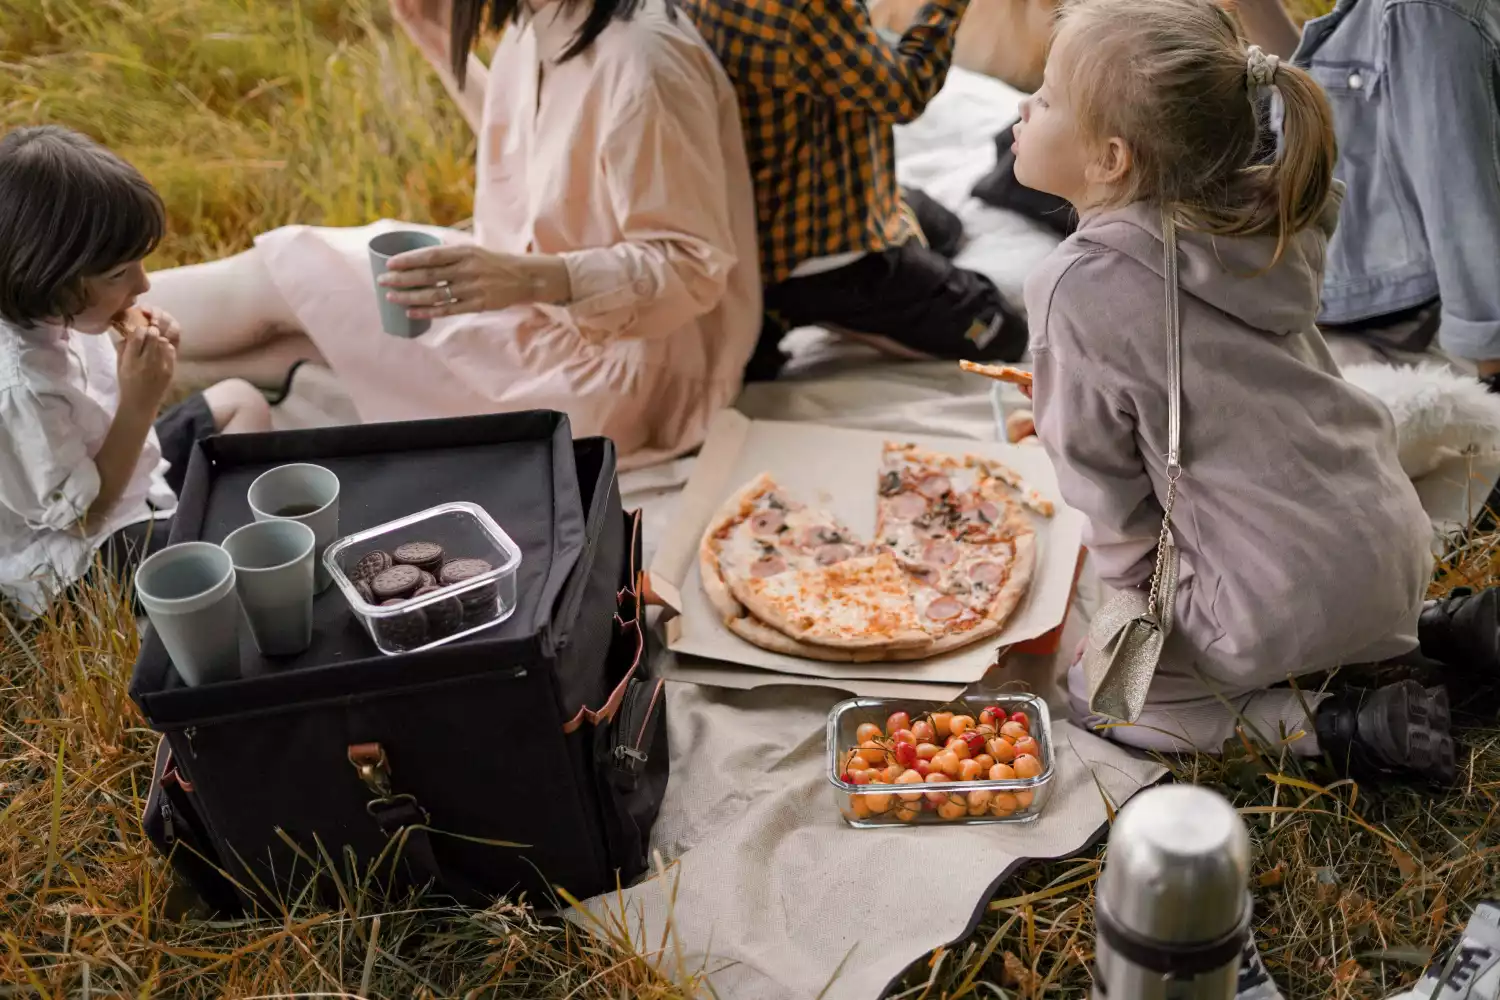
[[774, 894]]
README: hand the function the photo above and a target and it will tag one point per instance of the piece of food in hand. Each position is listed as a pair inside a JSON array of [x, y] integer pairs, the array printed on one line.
[[1019, 424], [1000, 373], [132, 320]]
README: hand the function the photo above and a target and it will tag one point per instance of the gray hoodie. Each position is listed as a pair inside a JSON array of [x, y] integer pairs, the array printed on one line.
[[1304, 546]]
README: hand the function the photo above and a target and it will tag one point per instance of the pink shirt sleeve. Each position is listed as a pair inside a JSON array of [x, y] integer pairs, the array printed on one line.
[[665, 171]]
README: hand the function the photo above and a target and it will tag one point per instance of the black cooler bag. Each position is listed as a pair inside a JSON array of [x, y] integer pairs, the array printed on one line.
[[530, 755]]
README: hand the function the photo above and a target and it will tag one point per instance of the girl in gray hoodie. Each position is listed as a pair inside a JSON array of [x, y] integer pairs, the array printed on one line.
[[1303, 546]]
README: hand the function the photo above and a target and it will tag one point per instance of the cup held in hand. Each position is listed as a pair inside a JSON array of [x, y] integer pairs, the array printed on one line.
[[188, 591], [393, 318]]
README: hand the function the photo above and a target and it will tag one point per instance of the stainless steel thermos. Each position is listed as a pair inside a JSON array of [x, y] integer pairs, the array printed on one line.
[[1173, 904]]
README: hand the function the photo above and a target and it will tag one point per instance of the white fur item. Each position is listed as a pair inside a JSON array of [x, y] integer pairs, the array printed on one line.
[[1438, 412]]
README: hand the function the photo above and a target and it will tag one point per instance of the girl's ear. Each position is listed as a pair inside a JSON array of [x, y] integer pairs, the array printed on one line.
[[1111, 166]]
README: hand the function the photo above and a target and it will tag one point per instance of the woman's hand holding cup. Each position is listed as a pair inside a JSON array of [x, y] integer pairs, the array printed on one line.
[[450, 280]]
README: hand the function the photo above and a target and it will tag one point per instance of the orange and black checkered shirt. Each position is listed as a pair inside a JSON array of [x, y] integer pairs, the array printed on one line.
[[819, 90]]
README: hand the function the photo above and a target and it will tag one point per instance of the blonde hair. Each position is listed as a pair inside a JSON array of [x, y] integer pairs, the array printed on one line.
[[1172, 78]]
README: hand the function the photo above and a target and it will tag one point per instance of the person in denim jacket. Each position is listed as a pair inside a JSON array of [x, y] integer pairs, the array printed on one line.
[[1415, 89]]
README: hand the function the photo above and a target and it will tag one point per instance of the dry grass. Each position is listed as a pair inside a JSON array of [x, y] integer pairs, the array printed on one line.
[[254, 113]]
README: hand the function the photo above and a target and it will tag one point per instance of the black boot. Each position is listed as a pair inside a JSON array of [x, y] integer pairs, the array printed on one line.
[[1398, 731], [1463, 630]]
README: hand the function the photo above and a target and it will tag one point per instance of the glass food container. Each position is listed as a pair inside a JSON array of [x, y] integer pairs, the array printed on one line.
[[447, 612], [966, 796]]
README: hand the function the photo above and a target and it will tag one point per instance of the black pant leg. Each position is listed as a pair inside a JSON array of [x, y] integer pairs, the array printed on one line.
[[911, 295]]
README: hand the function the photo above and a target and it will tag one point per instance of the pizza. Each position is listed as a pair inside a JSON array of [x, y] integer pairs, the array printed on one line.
[[799, 569], [952, 558], [1000, 373]]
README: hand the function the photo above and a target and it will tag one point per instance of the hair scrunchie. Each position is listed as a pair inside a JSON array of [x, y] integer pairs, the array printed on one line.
[[1260, 70]]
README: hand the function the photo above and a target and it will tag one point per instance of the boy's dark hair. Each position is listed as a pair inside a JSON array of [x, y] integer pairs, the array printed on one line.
[[69, 209]]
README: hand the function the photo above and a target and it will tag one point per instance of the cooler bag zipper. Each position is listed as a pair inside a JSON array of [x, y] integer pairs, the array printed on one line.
[[630, 754]]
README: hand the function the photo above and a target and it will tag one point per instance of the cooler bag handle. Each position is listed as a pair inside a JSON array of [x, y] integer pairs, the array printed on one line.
[[396, 814]]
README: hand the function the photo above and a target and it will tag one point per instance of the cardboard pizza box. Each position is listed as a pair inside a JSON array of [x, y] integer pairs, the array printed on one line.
[[838, 468]]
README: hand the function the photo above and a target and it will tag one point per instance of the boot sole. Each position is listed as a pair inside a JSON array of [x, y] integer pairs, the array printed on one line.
[[1418, 728]]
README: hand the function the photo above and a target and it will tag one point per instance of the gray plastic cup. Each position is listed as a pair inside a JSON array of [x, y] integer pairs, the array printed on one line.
[[273, 574], [305, 493], [393, 317], [188, 593]]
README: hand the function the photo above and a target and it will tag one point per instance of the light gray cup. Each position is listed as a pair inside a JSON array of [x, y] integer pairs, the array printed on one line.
[[305, 493], [393, 317], [273, 574], [188, 593]]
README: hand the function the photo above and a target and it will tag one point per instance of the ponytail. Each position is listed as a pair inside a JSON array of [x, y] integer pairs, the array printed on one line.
[[1300, 180]]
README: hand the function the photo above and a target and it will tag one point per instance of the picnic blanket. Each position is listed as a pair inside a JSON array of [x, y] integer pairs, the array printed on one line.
[[774, 896]]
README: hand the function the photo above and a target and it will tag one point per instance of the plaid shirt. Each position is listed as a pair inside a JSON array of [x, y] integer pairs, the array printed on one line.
[[819, 90]]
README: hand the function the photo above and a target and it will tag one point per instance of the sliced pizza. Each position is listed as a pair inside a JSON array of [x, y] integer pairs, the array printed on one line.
[[967, 547], [761, 532], [856, 603], [1000, 373]]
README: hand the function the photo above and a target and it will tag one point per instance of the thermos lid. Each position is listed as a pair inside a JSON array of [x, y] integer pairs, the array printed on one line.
[[1178, 867]]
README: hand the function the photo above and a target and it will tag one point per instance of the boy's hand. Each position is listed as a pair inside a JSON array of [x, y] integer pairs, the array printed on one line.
[[147, 363], [165, 324]]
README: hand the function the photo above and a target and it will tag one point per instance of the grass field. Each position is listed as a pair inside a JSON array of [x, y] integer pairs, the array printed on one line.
[[253, 113]]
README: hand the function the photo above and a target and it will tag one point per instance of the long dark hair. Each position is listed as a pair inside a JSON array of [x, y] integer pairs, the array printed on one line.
[[469, 17], [69, 209]]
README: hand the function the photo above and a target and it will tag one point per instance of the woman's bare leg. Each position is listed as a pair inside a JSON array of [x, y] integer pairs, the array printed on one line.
[[235, 322], [238, 407]]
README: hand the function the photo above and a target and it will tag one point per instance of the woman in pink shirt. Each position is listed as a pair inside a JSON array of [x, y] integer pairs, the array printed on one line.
[[612, 269]]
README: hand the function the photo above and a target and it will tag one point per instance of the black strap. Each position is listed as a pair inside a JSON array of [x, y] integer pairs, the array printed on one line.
[[1179, 960], [398, 815]]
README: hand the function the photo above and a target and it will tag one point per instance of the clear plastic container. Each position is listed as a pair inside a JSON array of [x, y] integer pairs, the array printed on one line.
[[464, 531], [1006, 800]]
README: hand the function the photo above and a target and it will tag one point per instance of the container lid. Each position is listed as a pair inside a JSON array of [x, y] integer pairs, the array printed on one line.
[[1178, 866]]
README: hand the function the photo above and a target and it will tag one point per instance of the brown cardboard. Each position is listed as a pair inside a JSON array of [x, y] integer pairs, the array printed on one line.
[[837, 468]]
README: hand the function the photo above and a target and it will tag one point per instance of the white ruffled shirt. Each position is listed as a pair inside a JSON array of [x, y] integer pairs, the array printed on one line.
[[58, 396]]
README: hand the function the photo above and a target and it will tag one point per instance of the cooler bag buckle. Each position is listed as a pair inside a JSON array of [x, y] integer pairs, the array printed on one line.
[[372, 767]]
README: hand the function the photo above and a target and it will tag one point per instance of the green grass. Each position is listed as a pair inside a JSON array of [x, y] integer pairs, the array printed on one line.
[[250, 114]]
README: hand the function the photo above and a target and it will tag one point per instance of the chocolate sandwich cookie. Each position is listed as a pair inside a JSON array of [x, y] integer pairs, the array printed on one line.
[[426, 556], [371, 565], [404, 631], [398, 582], [478, 603], [428, 580], [443, 617], [362, 588]]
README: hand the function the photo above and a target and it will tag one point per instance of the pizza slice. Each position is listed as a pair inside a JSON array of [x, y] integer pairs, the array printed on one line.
[[761, 532], [856, 603], [966, 545], [1000, 373]]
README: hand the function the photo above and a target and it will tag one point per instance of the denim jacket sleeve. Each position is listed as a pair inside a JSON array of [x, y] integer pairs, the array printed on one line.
[[1443, 71]]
